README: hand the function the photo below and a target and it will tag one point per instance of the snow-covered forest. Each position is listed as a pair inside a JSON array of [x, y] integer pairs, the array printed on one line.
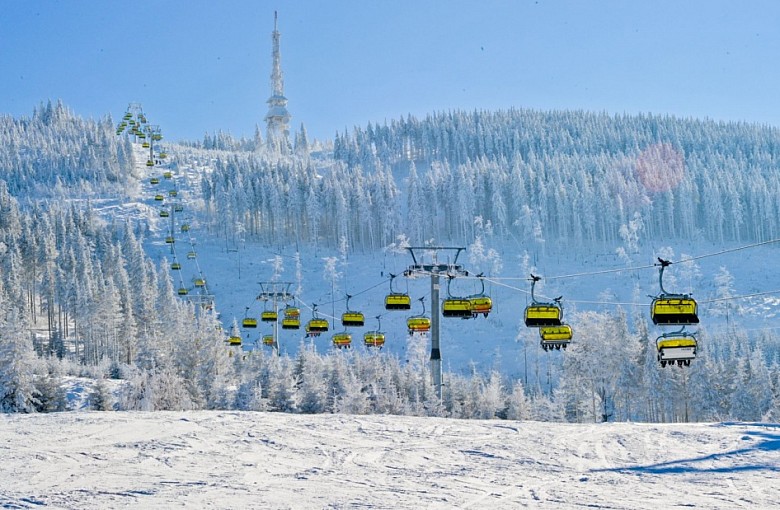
[[568, 176], [55, 153], [80, 294]]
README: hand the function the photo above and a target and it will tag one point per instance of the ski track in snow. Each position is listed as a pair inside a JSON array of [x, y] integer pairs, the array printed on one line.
[[271, 460]]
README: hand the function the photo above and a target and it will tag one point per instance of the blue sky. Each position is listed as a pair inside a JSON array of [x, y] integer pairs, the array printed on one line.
[[198, 66]]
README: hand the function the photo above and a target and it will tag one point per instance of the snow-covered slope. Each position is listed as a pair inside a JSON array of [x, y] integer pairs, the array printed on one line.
[[234, 269], [270, 460]]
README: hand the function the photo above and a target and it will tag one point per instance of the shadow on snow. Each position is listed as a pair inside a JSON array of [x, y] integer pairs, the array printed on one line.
[[765, 441]]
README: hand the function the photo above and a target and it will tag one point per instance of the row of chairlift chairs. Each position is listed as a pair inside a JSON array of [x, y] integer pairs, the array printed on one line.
[[199, 282], [667, 309], [466, 308], [138, 127], [291, 320], [133, 123]]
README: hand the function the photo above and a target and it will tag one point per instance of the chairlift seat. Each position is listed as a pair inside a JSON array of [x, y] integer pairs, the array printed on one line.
[[562, 333], [538, 315], [674, 310], [418, 324], [352, 319], [374, 339], [456, 307], [342, 340], [398, 301]]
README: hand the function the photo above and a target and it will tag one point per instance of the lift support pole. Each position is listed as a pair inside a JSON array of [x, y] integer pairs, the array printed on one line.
[[435, 270], [435, 346]]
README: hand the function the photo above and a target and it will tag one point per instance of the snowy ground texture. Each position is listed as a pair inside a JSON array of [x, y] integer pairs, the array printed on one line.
[[270, 460]]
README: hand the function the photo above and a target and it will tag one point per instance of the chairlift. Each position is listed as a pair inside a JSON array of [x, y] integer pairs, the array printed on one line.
[[480, 303], [555, 337], [456, 307], [672, 309], [375, 338], [397, 300], [248, 322], [316, 325], [351, 318], [268, 316], [419, 323], [539, 314], [291, 318], [342, 340], [676, 347]]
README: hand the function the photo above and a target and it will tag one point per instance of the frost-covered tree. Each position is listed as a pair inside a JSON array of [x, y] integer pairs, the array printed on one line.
[[518, 406], [313, 390], [18, 364], [282, 387], [723, 304], [101, 398], [48, 383]]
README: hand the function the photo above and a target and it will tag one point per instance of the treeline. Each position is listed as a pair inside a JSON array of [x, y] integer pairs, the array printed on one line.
[[290, 200], [733, 379], [55, 153], [579, 176], [567, 176]]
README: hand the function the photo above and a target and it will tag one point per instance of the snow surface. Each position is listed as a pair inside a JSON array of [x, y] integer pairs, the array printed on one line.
[[209, 459]]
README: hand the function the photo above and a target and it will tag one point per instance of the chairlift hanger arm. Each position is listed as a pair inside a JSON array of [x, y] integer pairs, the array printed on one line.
[[392, 277], [663, 263], [481, 277], [534, 279]]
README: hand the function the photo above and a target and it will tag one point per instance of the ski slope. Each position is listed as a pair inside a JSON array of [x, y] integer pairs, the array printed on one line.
[[210, 459], [233, 271]]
